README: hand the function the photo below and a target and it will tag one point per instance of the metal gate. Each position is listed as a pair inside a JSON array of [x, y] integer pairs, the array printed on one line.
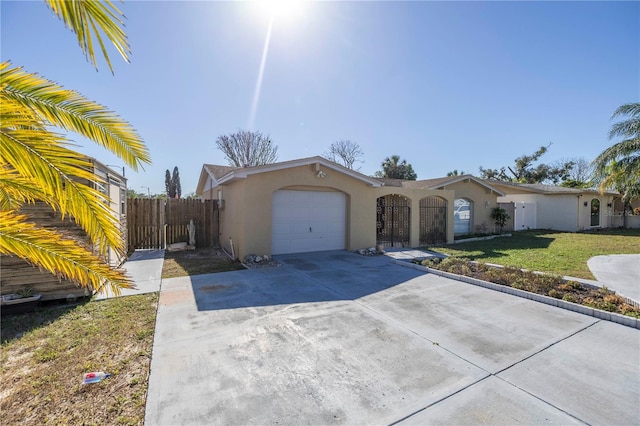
[[393, 215], [433, 221]]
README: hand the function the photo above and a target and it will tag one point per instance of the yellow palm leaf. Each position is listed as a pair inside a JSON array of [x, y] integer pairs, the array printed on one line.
[[58, 175], [87, 18], [68, 110], [50, 251]]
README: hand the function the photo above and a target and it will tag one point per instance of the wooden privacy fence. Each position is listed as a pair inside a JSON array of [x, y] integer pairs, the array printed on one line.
[[155, 223]]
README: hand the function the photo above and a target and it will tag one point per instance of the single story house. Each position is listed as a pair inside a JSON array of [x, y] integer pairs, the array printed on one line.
[[313, 204], [540, 206]]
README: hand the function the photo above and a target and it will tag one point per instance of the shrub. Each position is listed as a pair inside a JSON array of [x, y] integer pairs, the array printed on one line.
[[546, 284]]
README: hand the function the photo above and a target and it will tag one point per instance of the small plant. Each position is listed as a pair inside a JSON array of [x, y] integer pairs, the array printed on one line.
[[500, 217], [547, 284], [25, 292]]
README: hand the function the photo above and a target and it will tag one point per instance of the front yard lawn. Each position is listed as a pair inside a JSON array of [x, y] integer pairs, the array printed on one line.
[[563, 253], [45, 353], [198, 261]]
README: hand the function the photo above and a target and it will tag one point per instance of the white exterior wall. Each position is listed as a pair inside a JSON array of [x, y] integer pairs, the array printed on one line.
[[564, 212], [606, 213], [557, 212]]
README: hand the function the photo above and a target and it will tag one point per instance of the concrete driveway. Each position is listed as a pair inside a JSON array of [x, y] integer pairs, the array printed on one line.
[[338, 338], [620, 272]]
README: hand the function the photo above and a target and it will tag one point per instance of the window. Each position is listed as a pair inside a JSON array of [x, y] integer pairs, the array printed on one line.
[[462, 209]]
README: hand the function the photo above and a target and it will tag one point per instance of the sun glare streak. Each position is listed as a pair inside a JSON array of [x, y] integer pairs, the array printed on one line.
[[263, 61]]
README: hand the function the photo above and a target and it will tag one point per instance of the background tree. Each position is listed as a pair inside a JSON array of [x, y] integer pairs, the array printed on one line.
[[580, 174], [393, 168], [168, 185], [247, 149], [345, 152], [524, 171], [618, 167], [37, 164], [172, 185], [455, 172], [175, 180]]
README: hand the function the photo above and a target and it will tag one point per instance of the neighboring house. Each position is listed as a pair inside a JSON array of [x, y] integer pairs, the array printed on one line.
[[313, 204], [539, 206], [18, 274]]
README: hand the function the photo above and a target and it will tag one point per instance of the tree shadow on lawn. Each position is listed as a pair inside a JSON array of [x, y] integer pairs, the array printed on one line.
[[15, 326], [524, 240]]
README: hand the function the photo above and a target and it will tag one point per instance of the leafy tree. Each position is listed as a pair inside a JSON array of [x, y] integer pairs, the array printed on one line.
[[168, 185], [618, 167], [345, 152], [172, 185], [37, 164], [455, 172], [393, 168], [175, 180], [524, 170], [247, 149], [132, 193]]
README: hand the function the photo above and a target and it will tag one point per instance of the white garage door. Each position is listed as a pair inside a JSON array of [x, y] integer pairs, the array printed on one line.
[[308, 221]]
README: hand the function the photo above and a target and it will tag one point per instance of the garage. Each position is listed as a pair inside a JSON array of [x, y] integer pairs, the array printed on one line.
[[305, 221]]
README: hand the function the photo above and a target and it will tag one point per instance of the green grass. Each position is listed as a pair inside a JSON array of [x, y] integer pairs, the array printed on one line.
[[45, 353], [563, 253]]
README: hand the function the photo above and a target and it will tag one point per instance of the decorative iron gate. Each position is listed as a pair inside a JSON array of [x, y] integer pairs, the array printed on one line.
[[433, 221], [393, 215]]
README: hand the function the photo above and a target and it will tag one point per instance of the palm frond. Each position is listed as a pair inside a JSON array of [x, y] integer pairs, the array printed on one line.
[[632, 109], [71, 111], [87, 18], [60, 177], [63, 257]]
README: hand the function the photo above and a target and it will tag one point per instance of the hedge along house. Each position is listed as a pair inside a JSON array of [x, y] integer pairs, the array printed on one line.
[[313, 204], [540, 206]]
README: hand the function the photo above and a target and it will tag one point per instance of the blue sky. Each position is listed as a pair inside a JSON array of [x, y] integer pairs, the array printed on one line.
[[445, 85]]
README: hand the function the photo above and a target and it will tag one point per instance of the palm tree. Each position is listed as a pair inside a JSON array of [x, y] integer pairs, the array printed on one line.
[[626, 153], [37, 164], [393, 168], [618, 166]]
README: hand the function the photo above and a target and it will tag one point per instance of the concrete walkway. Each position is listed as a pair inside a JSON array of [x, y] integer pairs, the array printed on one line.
[[338, 338], [145, 269], [619, 272]]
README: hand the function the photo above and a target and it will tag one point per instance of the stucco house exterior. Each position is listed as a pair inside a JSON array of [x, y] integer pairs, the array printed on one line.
[[313, 204], [540, 206], [474, 199]]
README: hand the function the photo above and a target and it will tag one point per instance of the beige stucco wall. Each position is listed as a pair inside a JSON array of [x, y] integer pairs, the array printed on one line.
[[414, 196], [483, 201], [247, 215]]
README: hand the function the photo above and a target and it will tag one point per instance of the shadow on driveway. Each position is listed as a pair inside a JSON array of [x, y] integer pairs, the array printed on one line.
[[302, 278]]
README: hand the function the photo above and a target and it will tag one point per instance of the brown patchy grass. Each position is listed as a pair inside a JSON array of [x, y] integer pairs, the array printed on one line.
[[198, 261], [45, 353]]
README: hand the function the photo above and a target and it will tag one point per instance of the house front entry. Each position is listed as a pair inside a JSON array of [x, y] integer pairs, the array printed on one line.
[[393, 214], [433, 220]]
